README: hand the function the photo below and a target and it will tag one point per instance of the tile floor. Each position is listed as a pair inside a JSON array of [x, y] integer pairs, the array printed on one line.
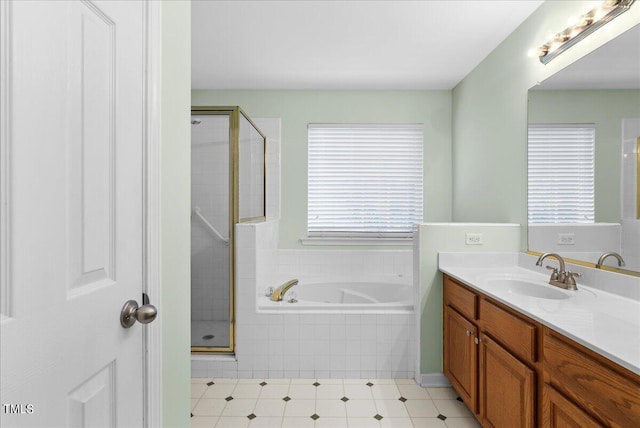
[[326, 403]]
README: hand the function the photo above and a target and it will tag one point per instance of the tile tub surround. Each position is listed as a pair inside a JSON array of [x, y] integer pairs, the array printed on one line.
[[601, 315], [352, 345], [331, 403]]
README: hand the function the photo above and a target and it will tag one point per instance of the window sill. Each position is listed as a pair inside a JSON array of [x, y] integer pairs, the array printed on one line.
[[317, 240]]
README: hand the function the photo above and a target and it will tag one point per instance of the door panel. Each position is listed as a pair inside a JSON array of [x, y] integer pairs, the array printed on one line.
[[74, 182]]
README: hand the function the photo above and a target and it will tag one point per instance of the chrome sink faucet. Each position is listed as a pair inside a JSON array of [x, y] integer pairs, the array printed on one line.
[[605, 255], [559, 277]]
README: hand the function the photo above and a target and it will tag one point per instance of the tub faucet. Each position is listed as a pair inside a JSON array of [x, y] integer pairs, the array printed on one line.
[[605, 255], [279, 292], [559, 277]]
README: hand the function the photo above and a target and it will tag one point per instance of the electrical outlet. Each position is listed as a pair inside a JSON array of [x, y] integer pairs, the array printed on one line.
[[473, 238], [566, 239]]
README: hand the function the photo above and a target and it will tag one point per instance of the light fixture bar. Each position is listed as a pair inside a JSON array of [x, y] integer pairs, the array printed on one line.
[[585, 25]]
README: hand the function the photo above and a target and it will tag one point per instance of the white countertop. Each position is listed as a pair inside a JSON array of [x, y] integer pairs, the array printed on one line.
[[604, 322]]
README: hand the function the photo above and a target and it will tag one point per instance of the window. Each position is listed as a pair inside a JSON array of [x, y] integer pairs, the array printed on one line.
[[561, 173], [364, 180]]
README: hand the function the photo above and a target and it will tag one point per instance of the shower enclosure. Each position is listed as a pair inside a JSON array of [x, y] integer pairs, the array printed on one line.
[[227, 187]]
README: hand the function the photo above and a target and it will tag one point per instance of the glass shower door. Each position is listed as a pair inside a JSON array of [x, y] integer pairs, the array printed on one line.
[[211, 326]]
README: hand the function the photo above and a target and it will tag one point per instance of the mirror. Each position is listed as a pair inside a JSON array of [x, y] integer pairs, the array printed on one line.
[[600, 92]]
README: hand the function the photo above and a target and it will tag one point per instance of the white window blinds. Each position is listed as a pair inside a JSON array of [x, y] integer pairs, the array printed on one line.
[[561, 173], [364, 180]]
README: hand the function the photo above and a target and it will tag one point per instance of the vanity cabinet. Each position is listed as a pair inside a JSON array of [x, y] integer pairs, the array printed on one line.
[[483, 344], [461, 356], [512, 371], [507, 387]]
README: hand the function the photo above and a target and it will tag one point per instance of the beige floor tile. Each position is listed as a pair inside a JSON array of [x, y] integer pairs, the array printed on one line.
[[219, 390], [331, 408], [405, 381], [462, 423], [194, 401], [363, 423], [266, 422], [413, 391], [300, 408], [361, 409], [428, 423], [330, 392], [442, 393], [279, 381], [302, 392], [382, 381], [358, 392], [276, 390], [219, 380], [396, 423], [246, 391], [251, 381], [269, 407], [232, 422], [355, 381], [298, 422], [329, 381], [239, 407], [453, 408], [204, 421], [331, 423], [421, 409], [197, 389], [209, 407], [391, 409], [385, 392]]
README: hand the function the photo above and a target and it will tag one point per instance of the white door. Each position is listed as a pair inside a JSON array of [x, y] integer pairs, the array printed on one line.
[[72, 221]]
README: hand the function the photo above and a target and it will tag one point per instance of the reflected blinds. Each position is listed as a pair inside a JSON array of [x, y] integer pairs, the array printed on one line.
[[561, 173], [364, 180]]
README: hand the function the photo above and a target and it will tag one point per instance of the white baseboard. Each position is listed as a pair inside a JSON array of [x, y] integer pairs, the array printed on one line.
[[434, 380]]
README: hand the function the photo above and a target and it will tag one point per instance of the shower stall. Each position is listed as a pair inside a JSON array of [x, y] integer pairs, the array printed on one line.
[[227, 187]]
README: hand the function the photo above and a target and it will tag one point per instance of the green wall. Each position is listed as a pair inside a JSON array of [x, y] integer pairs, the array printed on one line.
[[175, 227], [299, 108], [490, 114], [605, 109]]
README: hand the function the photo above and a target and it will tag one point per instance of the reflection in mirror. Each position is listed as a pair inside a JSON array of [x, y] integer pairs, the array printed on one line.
[[584, 133]]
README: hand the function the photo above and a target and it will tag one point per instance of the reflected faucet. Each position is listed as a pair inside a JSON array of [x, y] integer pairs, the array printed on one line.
[[559, 277], [605, 255], [279, 292]]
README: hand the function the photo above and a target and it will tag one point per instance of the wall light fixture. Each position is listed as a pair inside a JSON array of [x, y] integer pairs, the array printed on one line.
[[582, 27]]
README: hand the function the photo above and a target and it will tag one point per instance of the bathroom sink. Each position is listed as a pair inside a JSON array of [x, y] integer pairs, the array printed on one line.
[[529, 288]]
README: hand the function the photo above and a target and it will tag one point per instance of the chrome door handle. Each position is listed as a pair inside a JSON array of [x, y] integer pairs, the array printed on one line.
[[131, 313]]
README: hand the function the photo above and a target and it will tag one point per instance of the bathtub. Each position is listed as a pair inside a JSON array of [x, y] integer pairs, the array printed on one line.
[[343, 297]]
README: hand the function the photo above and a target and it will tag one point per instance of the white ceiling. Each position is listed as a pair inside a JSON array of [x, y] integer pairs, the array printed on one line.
[[615, 65], [346, 44]]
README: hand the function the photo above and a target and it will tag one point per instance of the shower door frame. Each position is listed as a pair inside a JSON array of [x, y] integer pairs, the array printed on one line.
[[234, 113]]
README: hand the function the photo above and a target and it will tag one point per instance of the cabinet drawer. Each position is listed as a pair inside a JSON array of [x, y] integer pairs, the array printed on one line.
[[459, 297], [518, 335], [592, 383]]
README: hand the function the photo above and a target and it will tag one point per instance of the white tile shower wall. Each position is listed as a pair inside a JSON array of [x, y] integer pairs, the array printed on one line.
[[312, 345]]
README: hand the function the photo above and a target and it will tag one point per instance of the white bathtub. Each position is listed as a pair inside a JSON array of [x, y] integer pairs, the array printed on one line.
[[343, 297]]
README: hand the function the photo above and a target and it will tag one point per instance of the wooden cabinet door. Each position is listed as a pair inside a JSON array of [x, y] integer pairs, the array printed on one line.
[[461, 356], [558, 412], [507, 388]]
